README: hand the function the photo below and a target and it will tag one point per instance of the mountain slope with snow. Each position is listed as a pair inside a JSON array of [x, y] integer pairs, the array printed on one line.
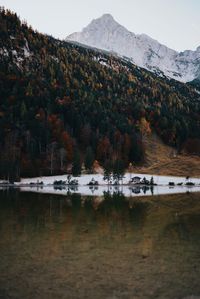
[[105, 33]]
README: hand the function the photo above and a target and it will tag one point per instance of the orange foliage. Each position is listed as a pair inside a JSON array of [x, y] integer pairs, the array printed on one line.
[[68, 144], [104, 149], [192, 146], [56, 125], [145, 126]]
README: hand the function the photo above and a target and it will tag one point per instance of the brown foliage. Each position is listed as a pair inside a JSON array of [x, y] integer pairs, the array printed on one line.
[[192, 146]]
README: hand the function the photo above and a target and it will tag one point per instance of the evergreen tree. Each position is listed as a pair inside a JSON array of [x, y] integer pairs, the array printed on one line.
[[107, 171], [76, 164], [89, 159], [152, 181], [118, 170]]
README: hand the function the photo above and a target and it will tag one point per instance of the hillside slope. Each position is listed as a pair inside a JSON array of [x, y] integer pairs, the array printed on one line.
[[165, 160], [64, 104]]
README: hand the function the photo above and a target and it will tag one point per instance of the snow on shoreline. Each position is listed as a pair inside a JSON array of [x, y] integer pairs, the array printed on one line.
[[85, 179], [129, 190]]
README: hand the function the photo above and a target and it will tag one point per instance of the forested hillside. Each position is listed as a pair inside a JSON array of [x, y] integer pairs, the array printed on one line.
[[61, 103]]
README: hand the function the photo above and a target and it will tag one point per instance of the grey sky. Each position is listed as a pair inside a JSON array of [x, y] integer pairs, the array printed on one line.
[[175, 23]]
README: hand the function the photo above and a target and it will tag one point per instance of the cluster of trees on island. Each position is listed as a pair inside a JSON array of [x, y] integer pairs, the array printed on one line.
[[61, 107]]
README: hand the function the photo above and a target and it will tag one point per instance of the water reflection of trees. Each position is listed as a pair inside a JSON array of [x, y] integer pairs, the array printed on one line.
[[142, 189], [38, 211], [137, 189]]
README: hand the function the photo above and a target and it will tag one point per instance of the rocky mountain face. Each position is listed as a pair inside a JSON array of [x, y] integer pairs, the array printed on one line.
[[105, 33]]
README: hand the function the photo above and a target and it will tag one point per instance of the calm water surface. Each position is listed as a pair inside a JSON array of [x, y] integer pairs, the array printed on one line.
[[99, 247]]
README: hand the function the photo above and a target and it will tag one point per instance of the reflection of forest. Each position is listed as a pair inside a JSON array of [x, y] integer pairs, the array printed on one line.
[[99, 246]]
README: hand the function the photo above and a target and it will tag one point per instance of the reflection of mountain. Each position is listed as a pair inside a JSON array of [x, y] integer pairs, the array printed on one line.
[[82, 246]]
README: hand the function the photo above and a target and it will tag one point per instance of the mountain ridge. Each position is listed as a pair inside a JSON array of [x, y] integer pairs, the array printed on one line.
[[144, 51]]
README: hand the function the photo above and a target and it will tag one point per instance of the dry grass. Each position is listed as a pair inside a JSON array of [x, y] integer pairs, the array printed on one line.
[[163, 160]]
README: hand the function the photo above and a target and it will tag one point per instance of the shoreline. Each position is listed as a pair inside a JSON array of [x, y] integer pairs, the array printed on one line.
[[85, 179], [161, 186]]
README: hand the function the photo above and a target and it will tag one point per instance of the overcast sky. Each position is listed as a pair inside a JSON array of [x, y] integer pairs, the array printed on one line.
[[175, 23]]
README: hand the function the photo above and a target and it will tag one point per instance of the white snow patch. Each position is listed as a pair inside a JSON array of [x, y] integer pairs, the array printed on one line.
[[102, 61], [4, 52], [14, 53], [55, 58], [26, 52], [85, 179]]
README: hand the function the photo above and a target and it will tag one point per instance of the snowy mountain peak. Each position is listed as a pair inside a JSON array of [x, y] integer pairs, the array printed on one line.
[[107, 34], [106, 17], [105, 22], [198, 49]]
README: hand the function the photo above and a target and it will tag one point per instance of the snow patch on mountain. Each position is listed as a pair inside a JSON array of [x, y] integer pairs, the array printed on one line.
[[105, 33]]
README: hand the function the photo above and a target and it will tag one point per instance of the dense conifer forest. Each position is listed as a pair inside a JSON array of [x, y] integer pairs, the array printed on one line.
[[63, 105]]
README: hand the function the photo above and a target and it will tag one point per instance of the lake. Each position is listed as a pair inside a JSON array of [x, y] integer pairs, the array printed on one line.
[[111, 246]]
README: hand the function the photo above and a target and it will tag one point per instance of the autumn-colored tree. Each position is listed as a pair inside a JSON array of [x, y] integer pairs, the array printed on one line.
[[104, 149], [144, 126], [67, 143], [192, 146]]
